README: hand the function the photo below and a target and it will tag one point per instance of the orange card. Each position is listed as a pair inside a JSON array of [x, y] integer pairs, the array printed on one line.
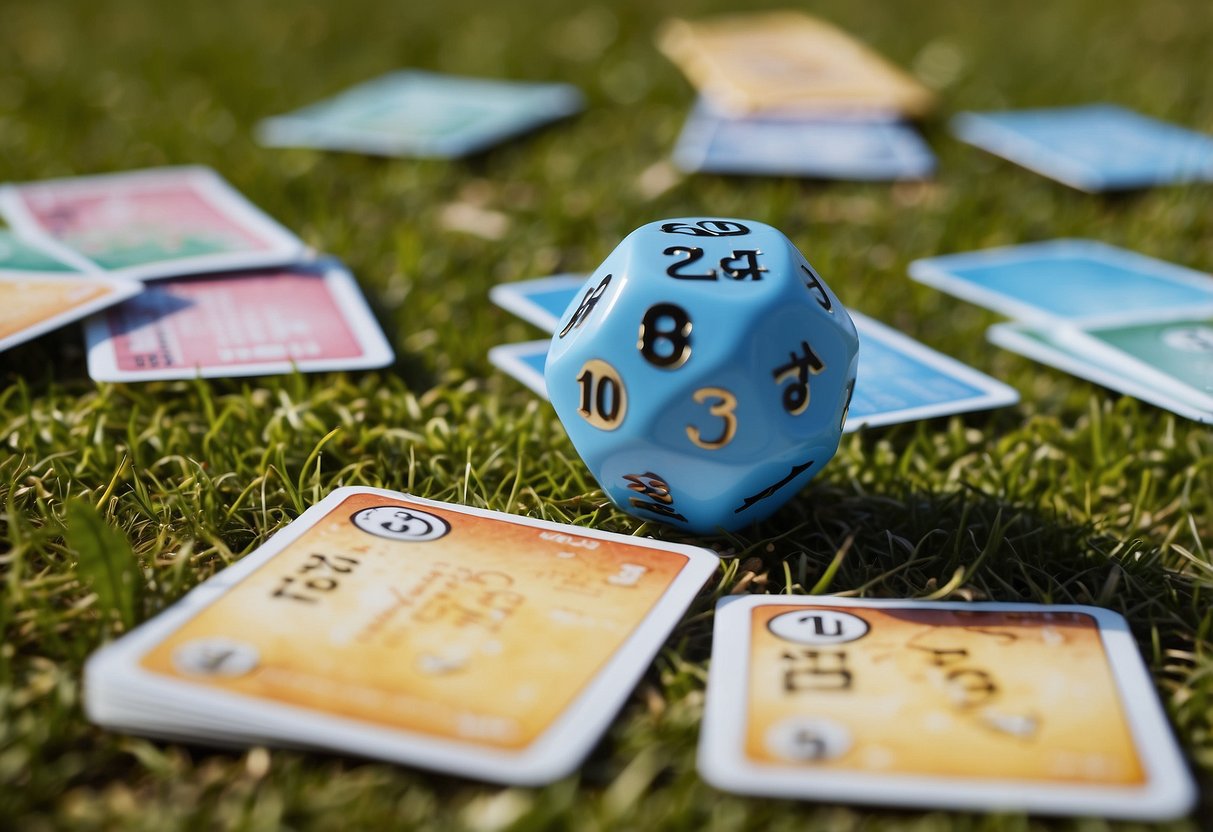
[[747, 63], [378, 623], [36, 303], [980, 706]]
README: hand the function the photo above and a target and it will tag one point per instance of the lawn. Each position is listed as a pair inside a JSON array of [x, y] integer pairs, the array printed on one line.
[[1076, 495]]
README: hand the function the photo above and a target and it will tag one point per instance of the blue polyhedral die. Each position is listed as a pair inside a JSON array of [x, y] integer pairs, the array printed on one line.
[[703, 372]]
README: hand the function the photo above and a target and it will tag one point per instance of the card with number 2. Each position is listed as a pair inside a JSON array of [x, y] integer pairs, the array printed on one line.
[[986, 706]]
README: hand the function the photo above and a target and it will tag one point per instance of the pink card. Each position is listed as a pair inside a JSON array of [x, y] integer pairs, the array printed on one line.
[[162, 222], [307, 317]]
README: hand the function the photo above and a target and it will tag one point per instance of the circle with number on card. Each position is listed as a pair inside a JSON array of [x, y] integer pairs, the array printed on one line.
[[399, 523], [807, 739], [216, 657], [818, 626], [1190, 339]]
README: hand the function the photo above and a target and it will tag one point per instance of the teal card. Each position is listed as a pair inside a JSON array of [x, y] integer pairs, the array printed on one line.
[[18, 255], [415, 113], [1127, 358], [1175, 354]]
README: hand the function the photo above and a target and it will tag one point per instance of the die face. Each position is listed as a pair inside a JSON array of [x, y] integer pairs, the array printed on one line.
[[703, 372]]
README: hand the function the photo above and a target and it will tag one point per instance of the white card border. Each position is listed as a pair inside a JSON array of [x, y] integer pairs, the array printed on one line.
[[940, 272], [376, 351], [119, 290], [508, 359], [555, 753], [1169, 791], [1010, 336], [285, 247]]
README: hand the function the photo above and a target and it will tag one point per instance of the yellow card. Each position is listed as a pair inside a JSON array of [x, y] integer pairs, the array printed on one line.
[[34, 304], [989, 706], [465, 640], [748, 63]]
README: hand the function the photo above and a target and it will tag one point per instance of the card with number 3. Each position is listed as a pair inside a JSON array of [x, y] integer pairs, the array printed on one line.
[[987, 706], [452, 638]]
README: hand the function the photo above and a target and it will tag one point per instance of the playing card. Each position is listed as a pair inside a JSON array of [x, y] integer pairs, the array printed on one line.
[[524, 363], [787, 60], [818, 147], [453, 638], [1175, 355], [24, 257], [147, 224], [898, 380], [307, 317], [414, 113], [901, 380], [539, 301], [986, 706], [1048, 345], [1097, 147], [37, 303], [1067, 281]]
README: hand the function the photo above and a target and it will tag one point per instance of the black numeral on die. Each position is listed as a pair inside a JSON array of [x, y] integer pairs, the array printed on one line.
[[665, 336]]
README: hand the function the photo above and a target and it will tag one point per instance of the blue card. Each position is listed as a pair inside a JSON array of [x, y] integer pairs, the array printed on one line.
[[415, 113], [1097, 147], [1066, 280], [899, 379], [809, 146]]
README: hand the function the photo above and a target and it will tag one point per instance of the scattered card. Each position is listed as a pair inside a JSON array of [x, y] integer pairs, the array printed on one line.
[[818, 147], [160, 222], [1097, 147], [524, 363], [1067, 281], [36, 303], [414, 113], [899, 379], [747, 63], [308, 317], [19, 255], [540, 301], [979, 706], [452, 638], [1167, 342]]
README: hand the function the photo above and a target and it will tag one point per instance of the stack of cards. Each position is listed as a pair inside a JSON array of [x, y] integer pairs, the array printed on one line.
[[468, 641], [1141, 326], [235, 292], [414, 113], [1097, 147], [899, 379], [987, 706], [782, 93]]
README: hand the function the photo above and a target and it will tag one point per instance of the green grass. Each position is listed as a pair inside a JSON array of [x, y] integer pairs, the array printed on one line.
[[1076, 495]]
